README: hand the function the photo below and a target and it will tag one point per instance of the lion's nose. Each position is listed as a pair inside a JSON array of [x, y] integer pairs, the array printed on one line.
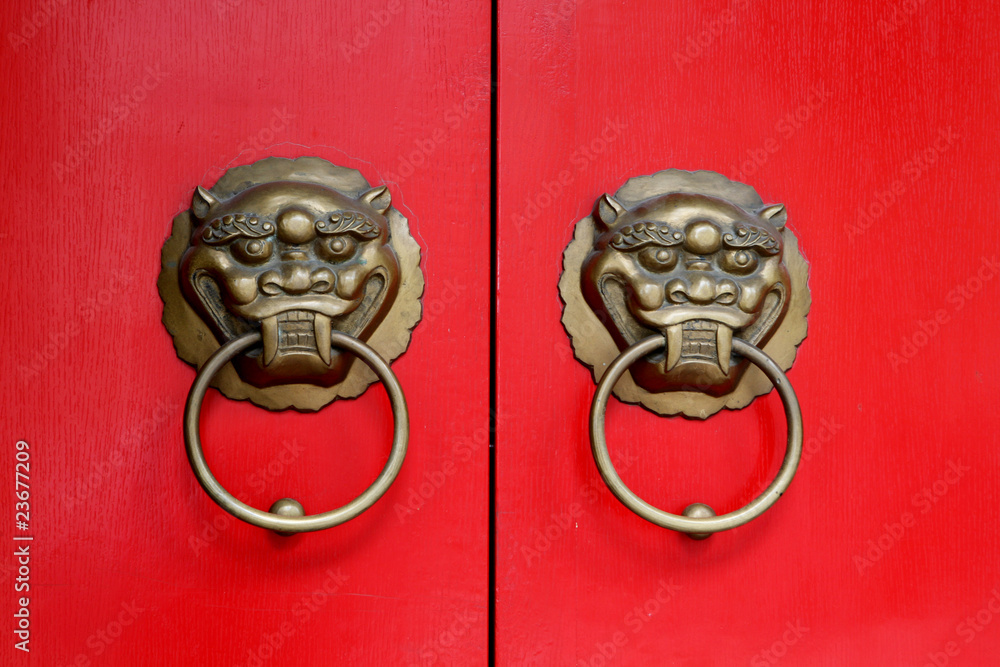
[[702, 289], [296, 278]]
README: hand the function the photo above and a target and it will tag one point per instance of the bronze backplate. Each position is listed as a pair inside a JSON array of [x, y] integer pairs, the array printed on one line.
[[676, 191], [381, 312]]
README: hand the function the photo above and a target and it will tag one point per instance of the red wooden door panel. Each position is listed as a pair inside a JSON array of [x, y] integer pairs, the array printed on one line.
[[875, 125], [112, 113]]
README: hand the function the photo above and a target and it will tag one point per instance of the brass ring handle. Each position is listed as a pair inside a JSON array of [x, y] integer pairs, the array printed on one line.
[[699, 520], [291, 519]]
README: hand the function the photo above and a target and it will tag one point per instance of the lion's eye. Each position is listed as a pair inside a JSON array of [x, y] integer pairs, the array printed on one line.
[[658, 259], [739, 261], [340, 248], [252, 251]]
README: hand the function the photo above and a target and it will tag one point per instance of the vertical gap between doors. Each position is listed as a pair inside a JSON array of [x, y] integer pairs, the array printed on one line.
[[494, 219]]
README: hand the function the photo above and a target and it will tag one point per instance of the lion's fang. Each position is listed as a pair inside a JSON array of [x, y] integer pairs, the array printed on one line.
[[321, 327], [724, 346], [269, 334], [674, 336]]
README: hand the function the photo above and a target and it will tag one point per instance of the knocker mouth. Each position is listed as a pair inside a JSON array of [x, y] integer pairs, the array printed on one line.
[[296, 344], [295, 332], [698, 341]]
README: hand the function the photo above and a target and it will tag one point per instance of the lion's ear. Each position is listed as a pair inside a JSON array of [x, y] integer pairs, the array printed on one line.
[[607, 210], [202, 202], [378, 198], [775, 214]]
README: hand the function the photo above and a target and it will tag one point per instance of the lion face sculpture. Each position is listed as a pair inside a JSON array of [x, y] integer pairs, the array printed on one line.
[[295, 261], [696, 269]]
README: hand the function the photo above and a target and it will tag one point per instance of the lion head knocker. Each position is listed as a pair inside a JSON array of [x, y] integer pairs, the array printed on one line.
[[293, 249], [295, 260], [697, 259], [695, 268]]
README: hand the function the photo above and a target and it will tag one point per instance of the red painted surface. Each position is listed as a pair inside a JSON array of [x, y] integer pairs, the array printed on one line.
[[111, 114], [880, 553]]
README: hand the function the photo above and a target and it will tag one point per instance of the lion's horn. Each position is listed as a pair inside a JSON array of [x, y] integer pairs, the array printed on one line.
[[607, 210], [775, 214], [202, 202], [378, 198]]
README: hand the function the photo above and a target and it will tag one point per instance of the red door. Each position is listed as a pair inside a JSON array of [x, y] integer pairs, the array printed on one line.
[[112, 114], [875, 125]]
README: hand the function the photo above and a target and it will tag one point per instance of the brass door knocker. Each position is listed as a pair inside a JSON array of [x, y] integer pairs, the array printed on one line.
[[289, 269], [689, 282]]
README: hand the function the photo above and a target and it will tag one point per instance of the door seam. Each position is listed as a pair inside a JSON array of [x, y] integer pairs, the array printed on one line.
[[494, 263]]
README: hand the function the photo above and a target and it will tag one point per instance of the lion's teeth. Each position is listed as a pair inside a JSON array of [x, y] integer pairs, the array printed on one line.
[[321, 327], [724, 347], [269, 334], [674, 336]]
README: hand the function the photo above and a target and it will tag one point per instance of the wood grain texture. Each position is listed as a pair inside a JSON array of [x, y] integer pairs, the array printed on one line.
[[111, 114], [875, 126]]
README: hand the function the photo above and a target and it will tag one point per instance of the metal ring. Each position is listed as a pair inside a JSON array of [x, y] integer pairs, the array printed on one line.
[[696, 526], [295, 524]]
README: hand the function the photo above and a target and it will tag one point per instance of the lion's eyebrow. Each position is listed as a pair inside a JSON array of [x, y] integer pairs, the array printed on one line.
[[348, 222], [643, 234], [224, 229], [751, 236]]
